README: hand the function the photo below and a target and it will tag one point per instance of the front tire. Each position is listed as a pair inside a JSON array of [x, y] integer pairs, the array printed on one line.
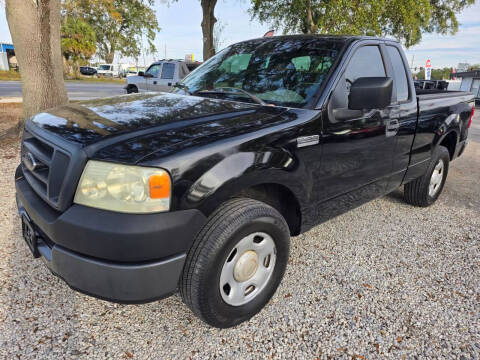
[[425, 190], [236, 262], [132, 89]]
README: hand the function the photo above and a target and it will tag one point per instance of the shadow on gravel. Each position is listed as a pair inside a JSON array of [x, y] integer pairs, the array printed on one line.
[[395, 196]]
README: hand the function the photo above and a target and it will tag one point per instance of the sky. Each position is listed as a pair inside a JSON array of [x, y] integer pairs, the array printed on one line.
[[181, 33]]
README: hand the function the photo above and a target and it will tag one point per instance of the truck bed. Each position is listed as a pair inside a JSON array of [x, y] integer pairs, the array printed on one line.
[[436, 93]]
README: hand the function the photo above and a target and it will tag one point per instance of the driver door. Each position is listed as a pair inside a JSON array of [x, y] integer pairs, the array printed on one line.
[[151, 77], [357, 148], [165, 80]]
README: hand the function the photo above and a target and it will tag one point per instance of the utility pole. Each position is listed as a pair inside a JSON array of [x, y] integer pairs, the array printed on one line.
[[165, 51]]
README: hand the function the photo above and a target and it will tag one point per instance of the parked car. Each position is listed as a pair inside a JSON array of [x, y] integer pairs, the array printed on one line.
[[160, 76], [129, 197], [108, 70], [132, 71], [87, 70]]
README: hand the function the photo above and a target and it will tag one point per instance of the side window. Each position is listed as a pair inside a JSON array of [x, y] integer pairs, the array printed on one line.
[[366, 62], [475, 87], [168, 70], [183, 71], [154, 70], [400, 80]]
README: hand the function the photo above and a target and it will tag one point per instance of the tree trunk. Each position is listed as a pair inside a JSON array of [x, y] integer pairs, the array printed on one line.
[[36, 36], [208, 22], [109, 57], [311, 27]]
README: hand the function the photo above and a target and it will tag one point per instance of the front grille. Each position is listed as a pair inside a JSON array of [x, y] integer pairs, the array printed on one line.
[[45, 167]]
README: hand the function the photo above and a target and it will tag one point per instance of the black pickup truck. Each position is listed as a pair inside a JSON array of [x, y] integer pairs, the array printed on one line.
[[132, 197]]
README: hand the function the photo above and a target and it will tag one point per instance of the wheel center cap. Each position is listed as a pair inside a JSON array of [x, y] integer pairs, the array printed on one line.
[[246, 266]]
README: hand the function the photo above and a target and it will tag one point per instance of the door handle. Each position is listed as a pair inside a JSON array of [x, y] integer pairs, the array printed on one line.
[[169, 84], [154, 83], [392, 127]]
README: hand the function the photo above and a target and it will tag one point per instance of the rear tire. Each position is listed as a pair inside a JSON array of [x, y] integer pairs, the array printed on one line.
[[214, 253], [425, 190]]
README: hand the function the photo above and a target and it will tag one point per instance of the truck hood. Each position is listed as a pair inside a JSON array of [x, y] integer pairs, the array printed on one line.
[[129, 127]]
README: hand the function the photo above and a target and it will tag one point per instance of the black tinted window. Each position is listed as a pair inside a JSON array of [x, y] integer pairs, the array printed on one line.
[[168, 70], [366, 62], [400, 80]]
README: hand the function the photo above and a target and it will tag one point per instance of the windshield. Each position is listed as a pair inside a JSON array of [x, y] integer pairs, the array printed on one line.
[[104, 67], [284, 72]]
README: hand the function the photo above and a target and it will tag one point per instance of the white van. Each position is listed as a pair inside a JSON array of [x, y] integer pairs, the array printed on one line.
[[108, 70], [160, 76]]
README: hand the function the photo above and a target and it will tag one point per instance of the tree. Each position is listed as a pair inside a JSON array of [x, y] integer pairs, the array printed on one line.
[[208, 24], [404, 19], [78, 41], [208, 27], [35, 30], [119, 25], [437, 74]]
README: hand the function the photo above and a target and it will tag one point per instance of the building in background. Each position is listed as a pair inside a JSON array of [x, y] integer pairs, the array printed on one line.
[[470, 82], [7, 57]]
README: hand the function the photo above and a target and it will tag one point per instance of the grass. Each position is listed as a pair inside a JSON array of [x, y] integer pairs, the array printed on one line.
[[15, 75], [10, 115], [9, 75], [101, 80]]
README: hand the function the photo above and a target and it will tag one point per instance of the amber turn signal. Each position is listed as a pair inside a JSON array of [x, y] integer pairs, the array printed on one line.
[[159, 185]]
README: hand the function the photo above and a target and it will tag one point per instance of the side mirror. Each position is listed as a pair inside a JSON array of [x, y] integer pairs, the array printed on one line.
[[141, 73], [370, 93]]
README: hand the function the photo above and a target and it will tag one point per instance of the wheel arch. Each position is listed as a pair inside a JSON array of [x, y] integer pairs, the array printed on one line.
[[281, 198], [267, 176], [447, 134], [450, 141]]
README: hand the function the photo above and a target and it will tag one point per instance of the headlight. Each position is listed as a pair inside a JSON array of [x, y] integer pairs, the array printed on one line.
[[124, 188]]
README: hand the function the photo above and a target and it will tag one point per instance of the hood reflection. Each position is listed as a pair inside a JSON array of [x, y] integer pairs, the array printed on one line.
[[91, 121]]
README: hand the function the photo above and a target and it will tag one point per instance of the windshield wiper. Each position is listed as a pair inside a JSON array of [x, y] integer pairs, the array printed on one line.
[[221, 90], [183, 87]]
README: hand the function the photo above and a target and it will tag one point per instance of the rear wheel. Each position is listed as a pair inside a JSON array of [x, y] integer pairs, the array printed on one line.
[[236, 262], [425, 190]]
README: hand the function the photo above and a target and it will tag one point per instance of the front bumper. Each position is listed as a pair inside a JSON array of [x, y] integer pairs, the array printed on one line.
[[118, 257]]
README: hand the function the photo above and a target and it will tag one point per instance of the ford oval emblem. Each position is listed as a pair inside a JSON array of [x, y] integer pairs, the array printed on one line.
[[30, 162]]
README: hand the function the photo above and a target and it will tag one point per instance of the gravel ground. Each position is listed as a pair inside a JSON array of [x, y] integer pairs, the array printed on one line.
[[386, 280]]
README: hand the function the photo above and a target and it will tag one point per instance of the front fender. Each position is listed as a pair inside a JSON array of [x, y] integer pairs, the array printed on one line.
[[240, 171]]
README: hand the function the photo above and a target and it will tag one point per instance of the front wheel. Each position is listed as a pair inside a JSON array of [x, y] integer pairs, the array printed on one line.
[[425, 190], [236, 262], [132, 89]]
